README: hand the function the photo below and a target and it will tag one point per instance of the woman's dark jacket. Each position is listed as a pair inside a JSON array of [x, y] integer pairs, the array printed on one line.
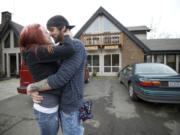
[[44, 63]]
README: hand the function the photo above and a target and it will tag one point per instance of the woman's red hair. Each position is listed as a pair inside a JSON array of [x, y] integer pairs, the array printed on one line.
[[32, 35]]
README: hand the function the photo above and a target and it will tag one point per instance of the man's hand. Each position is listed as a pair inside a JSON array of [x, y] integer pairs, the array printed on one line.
[[36, 97]]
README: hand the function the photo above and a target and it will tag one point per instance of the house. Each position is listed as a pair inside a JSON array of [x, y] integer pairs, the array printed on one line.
[[9, 51], [110, 45]]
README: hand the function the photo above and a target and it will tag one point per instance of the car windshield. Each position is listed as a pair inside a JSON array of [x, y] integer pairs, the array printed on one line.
[[154, 69]]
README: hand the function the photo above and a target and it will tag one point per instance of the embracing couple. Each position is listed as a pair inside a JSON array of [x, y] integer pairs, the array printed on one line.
[[58, 73]]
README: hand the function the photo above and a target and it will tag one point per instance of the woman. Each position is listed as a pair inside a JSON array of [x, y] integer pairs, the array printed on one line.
[[42, 60]]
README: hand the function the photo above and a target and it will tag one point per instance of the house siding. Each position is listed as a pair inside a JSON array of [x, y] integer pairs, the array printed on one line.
[[130, 51]]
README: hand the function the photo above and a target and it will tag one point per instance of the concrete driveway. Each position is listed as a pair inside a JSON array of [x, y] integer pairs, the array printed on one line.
[[8, 88], [114, 113]]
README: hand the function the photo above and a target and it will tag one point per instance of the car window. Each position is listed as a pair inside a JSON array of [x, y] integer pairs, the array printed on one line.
[[124, 71], [154, 69], [129, 70]]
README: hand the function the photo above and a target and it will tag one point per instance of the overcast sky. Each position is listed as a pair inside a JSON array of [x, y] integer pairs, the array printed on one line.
[[163, 14]]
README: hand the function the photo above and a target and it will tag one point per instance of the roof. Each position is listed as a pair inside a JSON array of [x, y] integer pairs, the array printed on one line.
[[16, 27], [102, 11], [163, 45], [10, 24], [138, 28]]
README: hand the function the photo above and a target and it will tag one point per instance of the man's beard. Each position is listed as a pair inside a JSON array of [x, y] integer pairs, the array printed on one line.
[[60, 38]]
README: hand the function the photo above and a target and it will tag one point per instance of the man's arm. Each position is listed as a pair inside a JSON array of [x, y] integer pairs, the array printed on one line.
[[68, 68]]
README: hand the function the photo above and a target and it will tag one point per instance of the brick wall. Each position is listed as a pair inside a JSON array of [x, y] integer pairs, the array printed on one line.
[[131, 52]]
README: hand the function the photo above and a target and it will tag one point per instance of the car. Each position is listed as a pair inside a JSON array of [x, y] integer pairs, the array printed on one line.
[[26, 78], [152, 82]]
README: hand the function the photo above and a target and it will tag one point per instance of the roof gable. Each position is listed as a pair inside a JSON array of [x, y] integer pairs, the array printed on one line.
[[102, 11], [101, 24], [10, 25]]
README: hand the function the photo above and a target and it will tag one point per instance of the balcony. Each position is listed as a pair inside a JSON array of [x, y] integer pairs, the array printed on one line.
[[105, 39]]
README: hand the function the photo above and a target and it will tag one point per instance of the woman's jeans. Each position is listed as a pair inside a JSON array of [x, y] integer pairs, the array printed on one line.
[[71, 123], [48, 123]]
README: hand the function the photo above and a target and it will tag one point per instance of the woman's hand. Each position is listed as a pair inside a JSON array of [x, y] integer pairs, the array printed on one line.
[[31, 88], [68, 33], [34, 94]]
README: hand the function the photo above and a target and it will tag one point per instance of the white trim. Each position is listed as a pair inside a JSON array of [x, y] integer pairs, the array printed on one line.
[[152, 58], [3, 62], [8, 64], [165, 59], [17, 63], [101, 62], [3, 40], [111, 73], [177, 62]]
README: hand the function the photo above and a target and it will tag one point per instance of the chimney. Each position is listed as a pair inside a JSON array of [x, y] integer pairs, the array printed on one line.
[[5, 16]]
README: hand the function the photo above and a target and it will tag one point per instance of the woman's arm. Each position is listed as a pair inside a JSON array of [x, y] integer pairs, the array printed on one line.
[[58, 52]]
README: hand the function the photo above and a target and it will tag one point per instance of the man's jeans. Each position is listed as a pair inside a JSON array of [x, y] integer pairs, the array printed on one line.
[[48, 123], [71, 124]]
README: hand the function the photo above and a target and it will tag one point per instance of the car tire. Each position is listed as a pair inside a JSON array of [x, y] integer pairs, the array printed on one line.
[[132, 94]]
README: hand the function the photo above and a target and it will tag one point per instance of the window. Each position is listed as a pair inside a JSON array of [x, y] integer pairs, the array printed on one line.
[[129, 70], [107, 63], [159, 58], [171, 61], [96, 40], [148, 58], [115, 39], [109, 26], [115, 62], [94, 27], [93, 63], [88, 40], [107, 39], [7, 42], [111, 63]]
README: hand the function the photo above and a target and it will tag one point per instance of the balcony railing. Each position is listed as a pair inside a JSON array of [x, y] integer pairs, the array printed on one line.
[[101, 39]]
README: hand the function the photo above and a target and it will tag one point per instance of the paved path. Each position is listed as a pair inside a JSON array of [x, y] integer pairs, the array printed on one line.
[[8, 88]]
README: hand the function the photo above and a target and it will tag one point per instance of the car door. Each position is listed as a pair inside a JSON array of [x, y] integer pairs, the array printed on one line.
[[128, 74], [122, 75]]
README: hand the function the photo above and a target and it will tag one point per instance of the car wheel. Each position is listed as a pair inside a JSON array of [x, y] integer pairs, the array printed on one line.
[[132, 94]]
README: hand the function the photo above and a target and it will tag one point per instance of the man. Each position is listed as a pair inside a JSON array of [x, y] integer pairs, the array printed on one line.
[[69, 77]]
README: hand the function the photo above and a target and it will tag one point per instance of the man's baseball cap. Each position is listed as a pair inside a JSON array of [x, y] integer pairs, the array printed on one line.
[[58, 21]]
